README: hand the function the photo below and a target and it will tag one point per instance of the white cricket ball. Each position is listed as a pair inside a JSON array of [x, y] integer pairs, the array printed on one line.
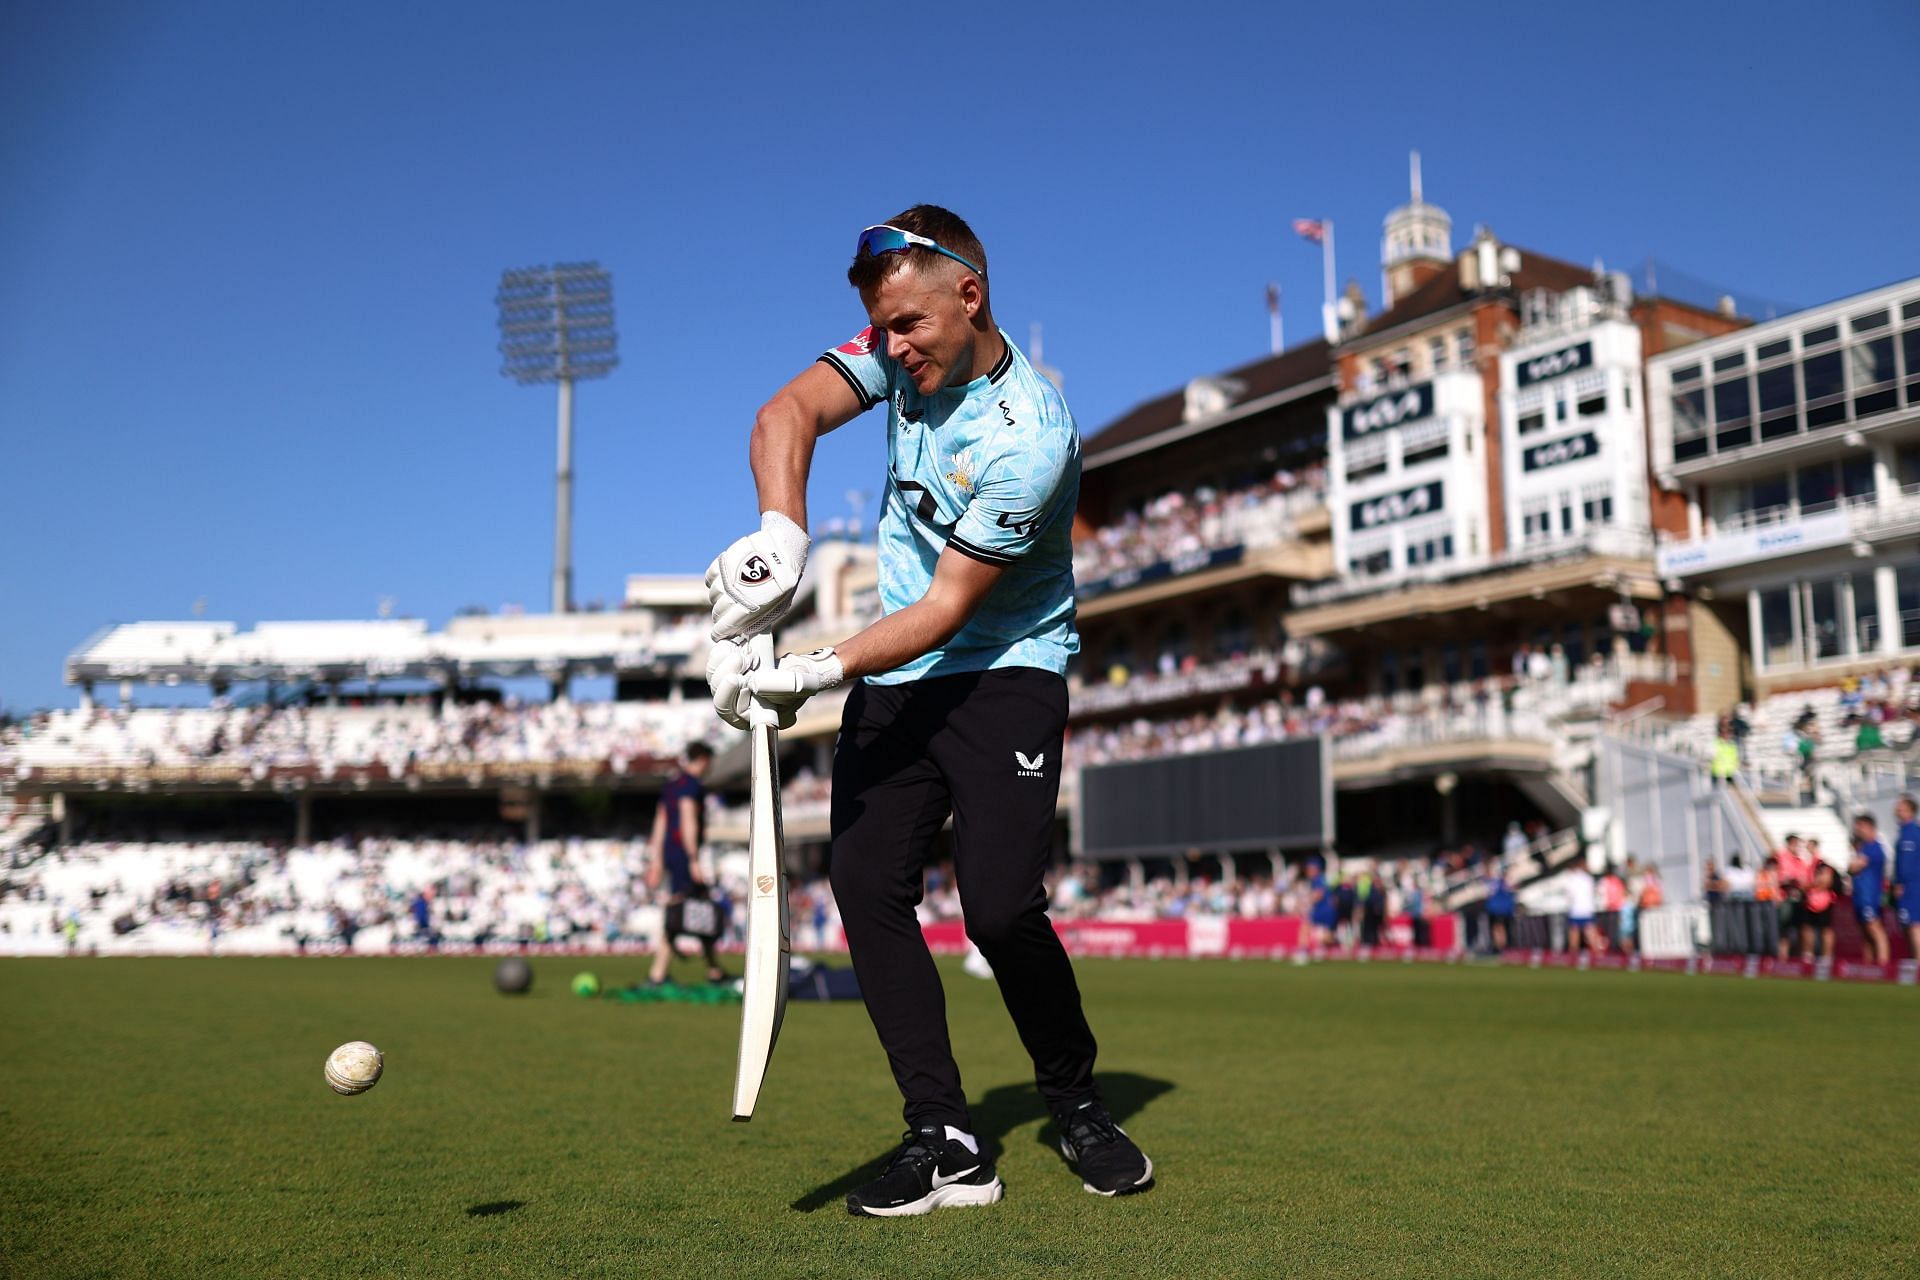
[[354, 1067]]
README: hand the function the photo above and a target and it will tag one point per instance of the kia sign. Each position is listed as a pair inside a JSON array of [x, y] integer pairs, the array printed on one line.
[[1425, 500], [1553, 454], [1390, 410], [1703, 555], [1554, 363]]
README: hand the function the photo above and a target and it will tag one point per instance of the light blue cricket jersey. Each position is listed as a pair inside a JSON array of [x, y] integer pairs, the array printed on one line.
[[991, 469]]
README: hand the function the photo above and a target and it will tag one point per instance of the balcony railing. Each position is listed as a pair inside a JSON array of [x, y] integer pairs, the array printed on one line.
[[1599, 540]]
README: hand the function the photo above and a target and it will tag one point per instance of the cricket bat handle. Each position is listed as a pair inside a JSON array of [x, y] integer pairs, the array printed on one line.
[[760, 648]]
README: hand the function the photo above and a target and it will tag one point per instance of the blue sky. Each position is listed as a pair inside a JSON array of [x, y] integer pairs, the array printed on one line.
[[249, 251]]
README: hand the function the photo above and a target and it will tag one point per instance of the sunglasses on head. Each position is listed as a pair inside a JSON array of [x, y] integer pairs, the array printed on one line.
[[886, 239]]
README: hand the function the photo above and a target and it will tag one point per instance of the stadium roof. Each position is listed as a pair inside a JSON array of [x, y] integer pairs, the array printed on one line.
[[1265, 383], [499, 646], [1309, 368]]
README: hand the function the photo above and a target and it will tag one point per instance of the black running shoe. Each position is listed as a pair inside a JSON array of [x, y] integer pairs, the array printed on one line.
[[1109, 1162], [930, 1171]]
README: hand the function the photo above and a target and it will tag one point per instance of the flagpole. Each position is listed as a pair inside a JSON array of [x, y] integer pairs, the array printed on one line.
[[1276, 330], [1329, 317]]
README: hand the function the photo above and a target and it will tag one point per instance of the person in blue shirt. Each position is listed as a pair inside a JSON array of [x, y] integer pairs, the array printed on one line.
[[1869, 871], [1324, 912], [957, 697], [1499, 908], [1906, 872], [674, 844]]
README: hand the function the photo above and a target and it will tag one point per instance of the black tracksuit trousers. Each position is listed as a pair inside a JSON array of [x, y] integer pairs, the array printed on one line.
[[984, 746]]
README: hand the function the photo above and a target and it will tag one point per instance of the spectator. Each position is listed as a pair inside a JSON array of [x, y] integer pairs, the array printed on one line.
[[1726, 754], [1580, 903], [1499, 908], [1323, 915], [1820, 898], [1906, 872], [1869, 870], [1867, 736], [1796, 871]]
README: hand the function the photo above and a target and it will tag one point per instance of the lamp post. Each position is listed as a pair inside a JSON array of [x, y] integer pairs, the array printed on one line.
[[556, 325]]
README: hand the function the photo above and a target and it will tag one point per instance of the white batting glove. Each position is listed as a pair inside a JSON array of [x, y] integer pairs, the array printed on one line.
[[728, 663], [793, 679], [750, 585]]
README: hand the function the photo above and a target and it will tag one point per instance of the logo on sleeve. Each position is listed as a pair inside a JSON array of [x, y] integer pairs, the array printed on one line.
[[860, 344], [1022, 526], [755, 570], [1030, 768]]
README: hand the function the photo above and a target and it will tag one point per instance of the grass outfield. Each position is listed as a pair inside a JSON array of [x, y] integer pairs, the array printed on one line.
[[167, 1118]]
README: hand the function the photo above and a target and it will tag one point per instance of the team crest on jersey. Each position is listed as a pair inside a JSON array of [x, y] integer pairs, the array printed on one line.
[[962, 473], [860, 344]]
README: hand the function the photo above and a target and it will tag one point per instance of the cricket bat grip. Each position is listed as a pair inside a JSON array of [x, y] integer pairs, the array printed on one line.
[[759, 714]]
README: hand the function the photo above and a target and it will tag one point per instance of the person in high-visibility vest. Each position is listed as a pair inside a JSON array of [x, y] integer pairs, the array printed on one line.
[[1726, 755]]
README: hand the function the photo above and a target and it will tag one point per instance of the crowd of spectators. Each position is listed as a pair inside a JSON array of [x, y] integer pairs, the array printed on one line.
[[378, 891], [396, 735], [1179, 524]]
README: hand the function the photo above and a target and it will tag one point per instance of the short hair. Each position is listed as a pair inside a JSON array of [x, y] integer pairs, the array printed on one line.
[[697, 751], [1910, 802], [1865, 817], [928, 220]]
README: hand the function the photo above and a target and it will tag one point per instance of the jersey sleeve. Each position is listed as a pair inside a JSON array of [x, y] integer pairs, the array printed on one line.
[[1016, 495], [861, 362]]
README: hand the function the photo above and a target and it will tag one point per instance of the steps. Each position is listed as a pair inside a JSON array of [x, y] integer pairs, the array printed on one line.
[[1814, 823]]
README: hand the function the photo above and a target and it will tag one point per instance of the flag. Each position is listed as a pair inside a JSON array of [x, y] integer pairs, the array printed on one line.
[[1311, 228]]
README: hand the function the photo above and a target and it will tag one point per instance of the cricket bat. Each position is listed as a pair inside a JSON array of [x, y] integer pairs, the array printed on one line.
[[765, 1002]]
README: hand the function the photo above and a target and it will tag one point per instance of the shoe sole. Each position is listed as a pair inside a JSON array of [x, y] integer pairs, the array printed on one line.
[[1145, 1180], [955, 1195]]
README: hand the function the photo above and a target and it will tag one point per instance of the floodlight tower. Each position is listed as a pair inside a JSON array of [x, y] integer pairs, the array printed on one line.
[[556, 325]]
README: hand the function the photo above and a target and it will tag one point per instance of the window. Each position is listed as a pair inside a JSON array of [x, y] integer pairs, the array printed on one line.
[[1689, 424], [1776, 625], [1779, 403], [1823, 620], [1872, 376], [1820, 337], [1477, 660], [1906, 581], [1532, 422], [1769, 350], [1370, 563], [1738, 360], [1732, 414], [1425, 452], [1536, 520], [1597, 509], [1910, 351], [1594, 405], [1686, 374], [1826, 390], [1906, 465], [1818, 488], [1868, 321], [1866, 613], [1769, 494], [1365, 468], [1450, 663], [1429, 550], [1856, 477], [1437, 352], [1463, 345], [1566, 513]]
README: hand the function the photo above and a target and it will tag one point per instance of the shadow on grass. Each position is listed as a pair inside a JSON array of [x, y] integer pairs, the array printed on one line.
[[494, 1208], [1004, 1109]]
